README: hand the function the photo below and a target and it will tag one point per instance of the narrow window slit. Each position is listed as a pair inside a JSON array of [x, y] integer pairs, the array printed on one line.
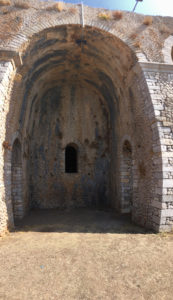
[[71, 160]]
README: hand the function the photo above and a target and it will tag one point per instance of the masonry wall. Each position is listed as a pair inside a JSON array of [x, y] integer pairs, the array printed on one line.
[[125, 111], [134, 126], [6, 214], [160, 82]]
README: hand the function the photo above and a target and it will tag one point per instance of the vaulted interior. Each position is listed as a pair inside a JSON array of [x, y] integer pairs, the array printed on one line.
[[77, 104]]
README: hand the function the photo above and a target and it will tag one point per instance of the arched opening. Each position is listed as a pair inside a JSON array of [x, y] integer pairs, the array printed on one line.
[[16, 171], [71, 159], [87, 95], [126, 178]]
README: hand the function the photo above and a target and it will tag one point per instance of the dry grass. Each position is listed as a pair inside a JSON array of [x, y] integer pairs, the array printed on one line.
[[117, 15], [137, 44], [148, 20], [5, 10], [104, 16], [59, 6], [9, 25], [133, 36], [21, 4], [164, 29], [5, 2], [72, 10]]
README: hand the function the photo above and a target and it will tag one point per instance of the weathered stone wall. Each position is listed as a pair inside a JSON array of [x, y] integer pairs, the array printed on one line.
[[84, 86], [76, 115], [126, 178], [17, 181], [135, 116], [6, 216], [160, 82]]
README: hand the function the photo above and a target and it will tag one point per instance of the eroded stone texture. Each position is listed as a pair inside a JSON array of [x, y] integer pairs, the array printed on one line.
[[6, 217], [63, 85], [160, 83], [69, 114]]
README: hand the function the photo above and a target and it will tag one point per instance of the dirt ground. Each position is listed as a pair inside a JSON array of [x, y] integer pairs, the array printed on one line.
[[85, 255]]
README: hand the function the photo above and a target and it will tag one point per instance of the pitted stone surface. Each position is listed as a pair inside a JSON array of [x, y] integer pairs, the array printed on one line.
[[61, 85]]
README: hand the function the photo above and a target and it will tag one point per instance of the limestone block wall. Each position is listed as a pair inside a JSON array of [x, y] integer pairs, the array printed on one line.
[[159, 78], [139, 133], [6, 215]]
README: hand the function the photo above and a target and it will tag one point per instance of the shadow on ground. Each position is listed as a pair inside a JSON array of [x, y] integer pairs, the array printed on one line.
[[78, 220]]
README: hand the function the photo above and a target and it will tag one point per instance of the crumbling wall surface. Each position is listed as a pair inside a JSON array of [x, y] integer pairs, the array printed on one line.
[[69, 115], [160, 83], [84, 87], [6, 216]]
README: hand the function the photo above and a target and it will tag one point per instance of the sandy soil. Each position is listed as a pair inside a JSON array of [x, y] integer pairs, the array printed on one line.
[[84, 255]]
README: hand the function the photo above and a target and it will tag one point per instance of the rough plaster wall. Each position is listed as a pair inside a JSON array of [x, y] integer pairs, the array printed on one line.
[[6, 217], [69, 114]]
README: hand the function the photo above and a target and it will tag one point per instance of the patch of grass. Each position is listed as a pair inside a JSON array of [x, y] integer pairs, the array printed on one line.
[[117, 15], [59, 6], [164, 29], [72, 10], [137, 44], [148, 20], [5, 11], [5, 2], [133, 36], [104, 16], [21, 4], [166, 234]]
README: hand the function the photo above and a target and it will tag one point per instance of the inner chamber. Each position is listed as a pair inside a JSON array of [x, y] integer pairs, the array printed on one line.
[[74, 111], [69, 151]]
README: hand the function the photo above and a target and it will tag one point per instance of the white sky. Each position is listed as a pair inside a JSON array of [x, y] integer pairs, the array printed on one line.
[[155, 7]]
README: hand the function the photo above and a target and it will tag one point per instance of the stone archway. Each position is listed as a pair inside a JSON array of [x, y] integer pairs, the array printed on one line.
[[84, 94], [98, 86]]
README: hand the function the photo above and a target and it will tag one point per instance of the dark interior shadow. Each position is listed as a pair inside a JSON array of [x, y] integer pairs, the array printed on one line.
[[78, 221]]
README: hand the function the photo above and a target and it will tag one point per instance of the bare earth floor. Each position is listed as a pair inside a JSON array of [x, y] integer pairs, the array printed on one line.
[[84, 254]]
